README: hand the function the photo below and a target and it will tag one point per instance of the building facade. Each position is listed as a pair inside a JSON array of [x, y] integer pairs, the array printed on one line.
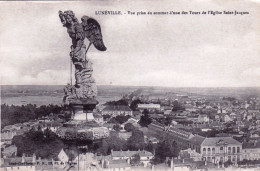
[[115, 110], [217, 149]]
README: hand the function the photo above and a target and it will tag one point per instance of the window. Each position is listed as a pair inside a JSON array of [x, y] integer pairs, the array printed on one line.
[[234, 159], [234, 150], [208, 158], [229, 149], [208, 150], [204, 150], [213, 150], [221, 159], [213, 159], [238, 158], [238, 150], [221, 149], [229, 158]]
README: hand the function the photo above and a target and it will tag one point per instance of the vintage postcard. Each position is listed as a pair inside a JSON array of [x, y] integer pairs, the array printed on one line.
[[130, 85]]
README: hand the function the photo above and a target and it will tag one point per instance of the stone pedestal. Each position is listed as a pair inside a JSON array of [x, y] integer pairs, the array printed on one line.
[[83, 109]]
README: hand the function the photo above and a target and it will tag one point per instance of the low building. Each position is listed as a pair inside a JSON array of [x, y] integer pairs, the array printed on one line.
[[251, 150], [124, 135], [190, 154], [18, 167], [203, 118], [217, 149], [145, 156], [63, 157], [150, 107], [133, 121], [98, 118], [24, 160], [151, 140], [86, 161], [115, 110]]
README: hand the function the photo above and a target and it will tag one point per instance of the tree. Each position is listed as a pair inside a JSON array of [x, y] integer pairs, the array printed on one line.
[[135, 160], [119, 119], [44, 144], [70, 134], [227, 163], [168, 120], [177, 106], [116, 127], [122, 118], [150, 147], [112, 142], [129, 127], [166, 148], [145, 120], [19, 114], [106, 117], [123, 102], [134, 104], [136, 141]]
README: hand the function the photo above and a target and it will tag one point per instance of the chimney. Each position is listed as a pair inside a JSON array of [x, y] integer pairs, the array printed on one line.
[[102, 163], [172, 163], [34, 158], [23, 158]]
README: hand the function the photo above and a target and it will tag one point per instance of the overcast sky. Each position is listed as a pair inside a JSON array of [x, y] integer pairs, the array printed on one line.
[[173, 50]]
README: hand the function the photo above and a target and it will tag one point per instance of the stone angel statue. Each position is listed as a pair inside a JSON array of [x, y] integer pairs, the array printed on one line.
[[89, 28]]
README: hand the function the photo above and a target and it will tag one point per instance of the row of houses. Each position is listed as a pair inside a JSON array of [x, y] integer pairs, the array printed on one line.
[[117, 160]]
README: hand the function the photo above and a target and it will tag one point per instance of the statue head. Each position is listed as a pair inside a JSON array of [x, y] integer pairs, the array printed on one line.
[[67, 17]]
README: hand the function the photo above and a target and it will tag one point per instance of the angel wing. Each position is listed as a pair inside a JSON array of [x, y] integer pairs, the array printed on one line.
[[93, 33]]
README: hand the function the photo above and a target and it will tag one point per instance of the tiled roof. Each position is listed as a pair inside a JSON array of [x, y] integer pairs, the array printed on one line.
[[197, 140], [219, 140], [130, 120], [181, 133], [116, 108]]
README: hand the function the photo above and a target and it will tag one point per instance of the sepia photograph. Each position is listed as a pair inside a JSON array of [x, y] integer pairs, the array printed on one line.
[[113, 85]]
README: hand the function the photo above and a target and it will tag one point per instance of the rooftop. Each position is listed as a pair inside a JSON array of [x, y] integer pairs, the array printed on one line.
[[219, 140], [116, 108], [197, 140]]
